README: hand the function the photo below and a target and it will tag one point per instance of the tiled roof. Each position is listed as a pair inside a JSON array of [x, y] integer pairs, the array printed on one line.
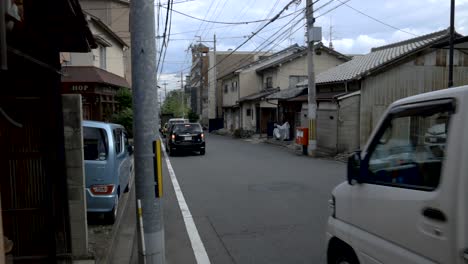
[[286, 94], [363, 65], [258, 95], [91, 74]]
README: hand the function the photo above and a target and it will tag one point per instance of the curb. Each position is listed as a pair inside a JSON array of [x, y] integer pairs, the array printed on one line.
[[116, 228]]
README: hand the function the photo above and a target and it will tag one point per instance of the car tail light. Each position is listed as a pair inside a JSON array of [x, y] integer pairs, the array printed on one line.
[[102, 189], [173, 137], [202, 136]]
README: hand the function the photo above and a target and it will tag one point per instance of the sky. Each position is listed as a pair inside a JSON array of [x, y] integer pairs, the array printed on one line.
[[352, 32]]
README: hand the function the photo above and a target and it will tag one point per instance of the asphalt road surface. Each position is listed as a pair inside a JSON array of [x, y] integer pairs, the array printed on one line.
[[251, 203]]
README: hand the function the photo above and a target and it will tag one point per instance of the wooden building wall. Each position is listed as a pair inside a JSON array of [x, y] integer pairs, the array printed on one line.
[[425, 73], [348, 124]]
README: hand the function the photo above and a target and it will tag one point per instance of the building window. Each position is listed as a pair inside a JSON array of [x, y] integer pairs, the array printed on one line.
[[102, 58], [248, 112], [293, 80], [234, 86], [269, 82], [410, 150], [226, 88]]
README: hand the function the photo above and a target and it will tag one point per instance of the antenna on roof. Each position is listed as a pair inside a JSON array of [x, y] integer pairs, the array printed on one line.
[[330, 42]]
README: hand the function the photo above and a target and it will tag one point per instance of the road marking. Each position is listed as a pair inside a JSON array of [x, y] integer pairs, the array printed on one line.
[[197, 245]]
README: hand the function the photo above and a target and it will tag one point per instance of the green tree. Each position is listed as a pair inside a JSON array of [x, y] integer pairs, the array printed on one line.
[[124, 97], [125, 114], [192, 116], [175, 104]]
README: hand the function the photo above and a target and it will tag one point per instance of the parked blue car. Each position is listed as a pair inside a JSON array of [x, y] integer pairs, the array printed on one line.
[[108, 166]]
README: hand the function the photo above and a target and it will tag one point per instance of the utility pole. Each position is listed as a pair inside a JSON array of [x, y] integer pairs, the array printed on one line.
[[330, 44], [312, 104], [183, 93], [215, 72], [165, 90], [146, 119], [452, 38]]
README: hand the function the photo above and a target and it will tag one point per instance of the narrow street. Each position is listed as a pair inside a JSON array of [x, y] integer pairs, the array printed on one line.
[[251, 203]]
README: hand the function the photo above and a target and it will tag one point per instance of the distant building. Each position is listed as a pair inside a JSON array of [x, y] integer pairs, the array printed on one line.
[[257, 94], [206, 94]]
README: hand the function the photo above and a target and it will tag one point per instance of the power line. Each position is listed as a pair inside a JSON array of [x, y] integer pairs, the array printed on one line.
[[375, 19], [332, 9], [160, 65], [255, 33], [115, 7], [266, 43], [227, 22]]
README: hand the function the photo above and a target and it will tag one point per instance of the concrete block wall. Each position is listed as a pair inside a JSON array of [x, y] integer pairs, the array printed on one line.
[[74, 159]]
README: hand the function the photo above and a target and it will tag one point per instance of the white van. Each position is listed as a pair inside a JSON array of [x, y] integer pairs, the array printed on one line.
[[406, 198]]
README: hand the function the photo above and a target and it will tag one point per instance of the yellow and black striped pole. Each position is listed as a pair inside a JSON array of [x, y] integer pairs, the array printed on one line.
[[158, 188]]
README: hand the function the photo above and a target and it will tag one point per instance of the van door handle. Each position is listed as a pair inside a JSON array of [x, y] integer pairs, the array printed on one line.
[[434, 214]]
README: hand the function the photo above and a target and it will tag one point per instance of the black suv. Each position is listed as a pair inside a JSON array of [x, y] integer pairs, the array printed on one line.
[[187, 136]]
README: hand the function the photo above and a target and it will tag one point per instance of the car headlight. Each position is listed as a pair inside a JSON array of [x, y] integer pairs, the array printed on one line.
[[332, 206]]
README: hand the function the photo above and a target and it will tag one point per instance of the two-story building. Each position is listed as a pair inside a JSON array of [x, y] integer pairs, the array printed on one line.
[[265, 87], [96, 75], [116, 15], [206, 90]]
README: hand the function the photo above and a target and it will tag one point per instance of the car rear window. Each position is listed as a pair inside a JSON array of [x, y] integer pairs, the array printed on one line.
[[95, 143], [187, 128]]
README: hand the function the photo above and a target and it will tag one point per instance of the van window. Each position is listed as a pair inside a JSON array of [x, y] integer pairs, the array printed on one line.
[[410, 150], [187, 128], [118, 140], [95, 143]]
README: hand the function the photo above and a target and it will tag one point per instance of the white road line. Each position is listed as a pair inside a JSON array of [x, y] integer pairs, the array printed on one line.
[[197, 245]]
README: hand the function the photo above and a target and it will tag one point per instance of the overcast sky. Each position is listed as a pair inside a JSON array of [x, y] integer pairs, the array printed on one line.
[[352, 32]]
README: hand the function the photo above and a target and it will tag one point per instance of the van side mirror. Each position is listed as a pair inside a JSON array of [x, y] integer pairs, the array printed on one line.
[[354, 167], [130, 149]]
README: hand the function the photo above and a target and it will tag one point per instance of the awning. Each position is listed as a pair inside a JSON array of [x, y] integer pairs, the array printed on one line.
[[258, 95], [287, 93], [300, 98], [91, 74]]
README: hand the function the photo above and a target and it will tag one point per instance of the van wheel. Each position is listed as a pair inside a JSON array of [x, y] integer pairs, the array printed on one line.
[[202, 152], [111, 216], [341, 253]]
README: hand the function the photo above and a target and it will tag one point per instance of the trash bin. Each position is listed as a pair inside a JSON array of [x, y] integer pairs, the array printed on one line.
[[302, 138]]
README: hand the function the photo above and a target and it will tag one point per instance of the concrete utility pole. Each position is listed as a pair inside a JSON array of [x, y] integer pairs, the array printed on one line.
[[452, 38], [215, 72], [145, 127], [183, 93], [165, 90], [312, 105]]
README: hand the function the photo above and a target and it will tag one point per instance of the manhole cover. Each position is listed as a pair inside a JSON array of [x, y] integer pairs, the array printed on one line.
[[277, 187]]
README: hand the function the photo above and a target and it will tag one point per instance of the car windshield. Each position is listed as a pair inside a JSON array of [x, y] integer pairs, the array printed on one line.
[[187, 128]]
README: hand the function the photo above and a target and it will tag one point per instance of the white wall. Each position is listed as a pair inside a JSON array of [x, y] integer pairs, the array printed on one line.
[[248, 122], [231, 97], [114, 54]]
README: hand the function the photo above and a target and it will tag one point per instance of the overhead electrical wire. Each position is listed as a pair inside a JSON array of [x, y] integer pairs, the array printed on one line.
[[267, 43], [228, 22], [378, 20], [255, 33]]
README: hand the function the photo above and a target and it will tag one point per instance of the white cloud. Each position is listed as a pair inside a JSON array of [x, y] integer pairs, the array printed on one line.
[[362, 44]]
